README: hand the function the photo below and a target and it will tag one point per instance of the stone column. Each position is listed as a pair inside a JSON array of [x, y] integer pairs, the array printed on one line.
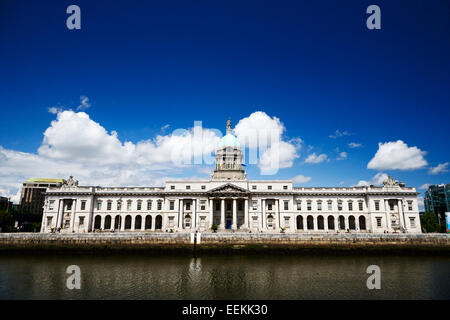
[[133, 220], [263, 214], [102, 222], [315, 228], [180, 214], [211, 212], [346, 223], [234, 223], [60, 214], [386, 208], [246, 217], [400, 213], [72, 217], [325, 223], [122, 222], [222, 214], [277, 214], [194, 213]]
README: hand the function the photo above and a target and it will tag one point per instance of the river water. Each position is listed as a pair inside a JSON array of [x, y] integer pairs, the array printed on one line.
[[146, 276]]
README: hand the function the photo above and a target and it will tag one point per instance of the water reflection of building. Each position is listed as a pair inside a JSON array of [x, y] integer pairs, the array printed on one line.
[[231, 201]]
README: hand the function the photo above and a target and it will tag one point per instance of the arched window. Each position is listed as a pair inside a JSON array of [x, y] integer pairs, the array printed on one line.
[[138, 223], [299, 222], [270, 223], [148, 222], [117, 222], [107, 222], [362, 223], [330, 223], [320, 224], [310, 223], [351, 223], [158, 222], [341, 223], [97, 222], [128, 222]]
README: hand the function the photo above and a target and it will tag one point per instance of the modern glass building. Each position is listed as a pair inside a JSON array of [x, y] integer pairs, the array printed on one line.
[[437, 199]]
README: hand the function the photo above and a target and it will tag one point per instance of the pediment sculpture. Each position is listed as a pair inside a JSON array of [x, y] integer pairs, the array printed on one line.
[[70, 182], [390, 182]]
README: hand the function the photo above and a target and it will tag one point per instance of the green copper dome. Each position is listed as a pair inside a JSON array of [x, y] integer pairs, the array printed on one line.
[[229, 141]]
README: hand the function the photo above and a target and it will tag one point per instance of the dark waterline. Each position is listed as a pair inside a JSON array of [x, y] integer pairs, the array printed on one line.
[[224, 277]]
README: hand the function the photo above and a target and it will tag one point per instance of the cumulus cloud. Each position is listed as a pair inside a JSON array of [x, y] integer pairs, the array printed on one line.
[[342, 156], [396, 155], [354, 145], [262, 133], [377, 180], [440, 168], [424, 186], [313, 158], [300, 179]]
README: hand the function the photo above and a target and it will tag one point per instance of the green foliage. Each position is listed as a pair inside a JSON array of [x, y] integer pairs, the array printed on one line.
[[429, 222], [6, 220], [214, 227]]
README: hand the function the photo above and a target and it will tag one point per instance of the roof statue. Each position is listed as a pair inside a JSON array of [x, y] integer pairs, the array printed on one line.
[[390, 182], [70, 182]]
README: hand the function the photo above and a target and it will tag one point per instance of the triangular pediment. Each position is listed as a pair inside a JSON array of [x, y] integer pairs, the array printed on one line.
[[227, 188]]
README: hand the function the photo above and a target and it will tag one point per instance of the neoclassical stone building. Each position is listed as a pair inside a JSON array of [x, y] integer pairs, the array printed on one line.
[[232, 202]]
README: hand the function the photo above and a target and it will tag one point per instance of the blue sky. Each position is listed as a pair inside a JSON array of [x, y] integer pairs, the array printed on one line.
[[313, 65]]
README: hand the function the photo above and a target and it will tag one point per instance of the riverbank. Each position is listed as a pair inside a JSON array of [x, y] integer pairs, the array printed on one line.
[[227, 242]]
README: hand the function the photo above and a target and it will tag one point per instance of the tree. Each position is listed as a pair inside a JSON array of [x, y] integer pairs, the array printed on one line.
[[429, 222], [6, 220]]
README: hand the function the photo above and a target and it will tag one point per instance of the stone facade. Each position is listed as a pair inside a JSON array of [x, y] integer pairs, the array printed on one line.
[[232, 202]]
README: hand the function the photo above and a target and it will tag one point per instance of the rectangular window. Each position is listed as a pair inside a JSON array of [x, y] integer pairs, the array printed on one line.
[[139, 205], [203, 205], [255, 205], [319, 205], [83, 205], [269, 206], [217, 206], [391, 206], [308, 205], [285, 187], [51, 205], [202, 222], [255, 222], [81, 221], [49, 221], [119, 205], [172, 205], [240, 206], [377, 205], [340, 205], [129, 205], [360, 204], [149, 205], [269, 187], [188, 187], [172, 187], [286, 205], [254, 187], [286, 222], [99, 205], [412, 222], [228, 206], [378, 222], [108, 205], [203, 187], [330, 206], [69, 206], [171, 222], [410, 206], [159, 205], [350, 206], [299, 205]]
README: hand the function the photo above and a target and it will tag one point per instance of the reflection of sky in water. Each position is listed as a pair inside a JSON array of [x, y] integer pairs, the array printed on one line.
[[224, 277]]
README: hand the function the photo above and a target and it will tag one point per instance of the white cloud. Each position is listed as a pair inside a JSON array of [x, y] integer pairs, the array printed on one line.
[[261, 132], [84, 103], [313, 158], [338, 134], [354, 145], [300, 179], [342, 156], [440, 168], [420, 203], [424, 186], [377, 180], [396, 155]]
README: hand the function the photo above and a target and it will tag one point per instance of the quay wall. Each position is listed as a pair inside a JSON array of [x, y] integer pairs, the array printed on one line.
[[231, 242]]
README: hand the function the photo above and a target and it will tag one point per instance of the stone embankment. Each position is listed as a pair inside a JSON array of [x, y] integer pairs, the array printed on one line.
[[227, 242]]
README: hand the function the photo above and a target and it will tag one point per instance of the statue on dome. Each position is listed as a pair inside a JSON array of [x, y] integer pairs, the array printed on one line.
[[229, 125]]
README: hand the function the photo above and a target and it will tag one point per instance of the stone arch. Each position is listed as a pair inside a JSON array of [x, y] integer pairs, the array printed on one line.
[[117, 222], [148, 222], [351, 223], [138, 223], [128, 222], [299, 222], [310, 222], [330, 223], [97, 222], [107, 222], [158, 222], [362, 223]]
